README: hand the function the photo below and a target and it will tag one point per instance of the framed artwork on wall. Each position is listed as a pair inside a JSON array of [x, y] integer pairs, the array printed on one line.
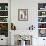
[[22, 14]]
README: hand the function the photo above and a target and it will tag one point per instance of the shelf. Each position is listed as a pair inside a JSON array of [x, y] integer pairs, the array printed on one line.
[[41, 28], [3, 10], [41, 10], [3, 22], [42, 16], [42, 19], [41, 22], [3, 16]]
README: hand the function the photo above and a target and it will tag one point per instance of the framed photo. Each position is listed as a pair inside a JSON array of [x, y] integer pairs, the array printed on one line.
[[23, 14]]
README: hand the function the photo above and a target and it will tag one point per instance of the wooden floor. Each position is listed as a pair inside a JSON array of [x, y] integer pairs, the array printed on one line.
[[3, 45]]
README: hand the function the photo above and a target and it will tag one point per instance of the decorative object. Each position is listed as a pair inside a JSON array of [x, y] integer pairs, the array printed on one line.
[[41, 19], [22, 43], [31, 27], [0, 7], [43, 13], [41, 25], [41, 6], [3, 19], [3, 13], [23, 14], [42, 33], [4, 29], [6, 7], [23, 40], [13, 27]]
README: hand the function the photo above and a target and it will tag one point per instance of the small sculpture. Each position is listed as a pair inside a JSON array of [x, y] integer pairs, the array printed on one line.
[[31, 27], [13, 27]]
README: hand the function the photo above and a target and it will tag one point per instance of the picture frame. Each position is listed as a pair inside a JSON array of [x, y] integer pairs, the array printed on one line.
[[22, 14]]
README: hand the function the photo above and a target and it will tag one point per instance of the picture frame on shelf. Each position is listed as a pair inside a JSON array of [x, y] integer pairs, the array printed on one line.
[[22, 14]]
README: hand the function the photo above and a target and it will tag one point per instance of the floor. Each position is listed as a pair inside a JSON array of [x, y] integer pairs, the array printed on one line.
[[3, 45]]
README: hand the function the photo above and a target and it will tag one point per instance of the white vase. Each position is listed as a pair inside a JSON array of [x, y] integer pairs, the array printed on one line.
[[22, 43]]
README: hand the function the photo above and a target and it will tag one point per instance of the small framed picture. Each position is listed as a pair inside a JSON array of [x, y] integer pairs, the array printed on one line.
[[23, 14]]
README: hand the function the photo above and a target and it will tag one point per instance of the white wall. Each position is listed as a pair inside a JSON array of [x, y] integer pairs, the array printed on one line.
[[32, 13], [32, 6]]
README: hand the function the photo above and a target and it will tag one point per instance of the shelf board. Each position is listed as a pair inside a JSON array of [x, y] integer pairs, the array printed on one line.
[[42, 16], [3, 22], [42, 37], [41, 28], [41, 10], [41, 22], [3, 10], [3, 16]]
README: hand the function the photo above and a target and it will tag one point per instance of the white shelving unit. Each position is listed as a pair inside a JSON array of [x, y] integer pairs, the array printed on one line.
[[4, 21], [42, 18]]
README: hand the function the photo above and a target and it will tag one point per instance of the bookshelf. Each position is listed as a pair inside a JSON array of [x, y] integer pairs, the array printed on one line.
[[4, 19], [42, 19]]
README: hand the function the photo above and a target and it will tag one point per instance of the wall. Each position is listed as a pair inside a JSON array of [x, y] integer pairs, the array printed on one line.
[[32, 6], [32, 13]]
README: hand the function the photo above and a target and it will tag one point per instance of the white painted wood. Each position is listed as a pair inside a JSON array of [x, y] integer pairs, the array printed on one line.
[[3, 16], [3, 1], [4, 41], [3, 10]]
